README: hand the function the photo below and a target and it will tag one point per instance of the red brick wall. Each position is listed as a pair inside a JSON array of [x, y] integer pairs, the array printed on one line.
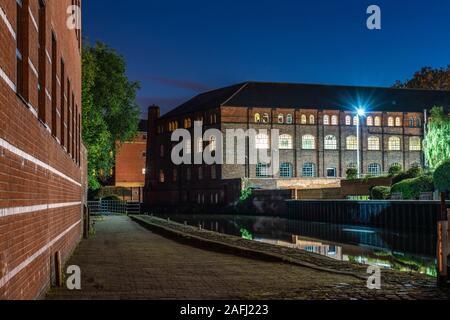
[[41, 188], [130, 160]]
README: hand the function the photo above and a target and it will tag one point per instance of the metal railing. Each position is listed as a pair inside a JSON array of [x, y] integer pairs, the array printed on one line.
[[107, 207]]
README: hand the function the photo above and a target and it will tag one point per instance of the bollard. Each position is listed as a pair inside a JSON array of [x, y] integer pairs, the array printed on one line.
[[58, 273]]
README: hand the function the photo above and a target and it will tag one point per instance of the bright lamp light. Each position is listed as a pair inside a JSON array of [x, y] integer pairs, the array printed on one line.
[[361, 112]]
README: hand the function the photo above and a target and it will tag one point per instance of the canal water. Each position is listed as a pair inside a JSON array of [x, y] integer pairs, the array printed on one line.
[[388, 249]]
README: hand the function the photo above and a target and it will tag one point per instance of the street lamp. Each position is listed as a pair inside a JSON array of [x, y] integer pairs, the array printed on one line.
[[361, 113]]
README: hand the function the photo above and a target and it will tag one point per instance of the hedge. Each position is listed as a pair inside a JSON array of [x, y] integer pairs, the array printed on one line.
[[380, 193], [412, 188]]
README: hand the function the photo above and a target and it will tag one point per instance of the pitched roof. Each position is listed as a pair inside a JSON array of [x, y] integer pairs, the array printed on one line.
[[289, 95]]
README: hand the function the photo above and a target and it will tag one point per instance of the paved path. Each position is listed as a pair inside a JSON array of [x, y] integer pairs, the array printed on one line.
[[126, 261]]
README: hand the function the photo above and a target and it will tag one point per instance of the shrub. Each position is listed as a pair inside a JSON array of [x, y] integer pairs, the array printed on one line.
[[412, 188], [395, 170], [352, 174], [380, 193], [412, 173], [442, 177], [112, 197]]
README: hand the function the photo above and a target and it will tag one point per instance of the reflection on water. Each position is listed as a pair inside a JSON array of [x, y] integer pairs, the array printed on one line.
[[387, 249]]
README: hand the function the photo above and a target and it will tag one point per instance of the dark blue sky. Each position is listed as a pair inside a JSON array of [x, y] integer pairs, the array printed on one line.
[[177, 49]]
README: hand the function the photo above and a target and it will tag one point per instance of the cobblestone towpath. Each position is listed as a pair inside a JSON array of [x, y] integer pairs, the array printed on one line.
[[127, 261]]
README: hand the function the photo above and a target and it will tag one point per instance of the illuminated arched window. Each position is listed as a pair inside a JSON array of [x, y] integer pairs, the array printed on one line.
[[266, 118], [330, 143], [398, 122], [262, 141], [285, 142], [312, 119], [326, 120], [308, 142], [348, 121], [281, 118], [391, 122], [257, 118], [289, 119], [377, 121], [374, 169], [309, 170], [370, 121], [373, 144], [286, 170], [304, 120], [262, 170], [355, 120], [334, 121], [415, 144], [352, 143], [394, 144]]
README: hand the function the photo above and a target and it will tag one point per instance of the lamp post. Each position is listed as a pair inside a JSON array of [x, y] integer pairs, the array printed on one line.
[[360, 113]]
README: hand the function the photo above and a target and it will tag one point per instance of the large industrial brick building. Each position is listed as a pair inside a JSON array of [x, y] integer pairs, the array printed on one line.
[[317, 143], [42, 159]]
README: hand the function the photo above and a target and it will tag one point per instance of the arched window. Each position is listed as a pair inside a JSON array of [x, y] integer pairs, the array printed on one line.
[[262, 141], [280, 118], [330, 143], [213, 143], [304, 119], [262, 170], [377, 121], [162, 177], [326, 120], [418, 123], [286, 170], [312, 119], [309, 170], [394, 144], [289, 119], [411, 122], [373, 144], [334, 121], [308, 142], [355, 120], [374, 169], [398, 122], [265, 118], [391, 122], [370, 121], [352, 143], [257, 118], [415, 144], [348, 121], [285, 142]]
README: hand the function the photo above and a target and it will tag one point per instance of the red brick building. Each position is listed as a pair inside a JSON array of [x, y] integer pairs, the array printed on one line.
[[42, 166], [129, 171]]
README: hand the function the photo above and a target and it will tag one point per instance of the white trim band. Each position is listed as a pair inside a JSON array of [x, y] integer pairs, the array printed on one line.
[[8, 24], [7, 212], [6, 145], [8, 276], [8, 81]]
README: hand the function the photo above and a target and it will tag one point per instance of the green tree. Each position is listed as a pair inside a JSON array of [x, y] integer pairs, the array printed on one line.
[[110, 113], [428, 78], [442, 177], [437, 141]]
